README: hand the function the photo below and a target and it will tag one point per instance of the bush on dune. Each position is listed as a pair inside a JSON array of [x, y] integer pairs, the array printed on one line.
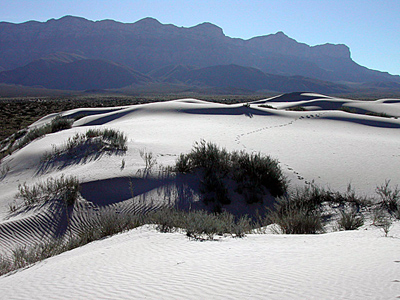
[[24, 137], [350, 220], [253, 174], [300, 212], [201, 224], [93, 142], [64, 189]]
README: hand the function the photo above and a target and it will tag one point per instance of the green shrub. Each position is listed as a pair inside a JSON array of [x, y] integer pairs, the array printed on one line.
[[65, 189]]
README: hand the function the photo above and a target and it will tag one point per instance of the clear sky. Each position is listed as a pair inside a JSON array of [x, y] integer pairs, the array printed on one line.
[[371, 28]]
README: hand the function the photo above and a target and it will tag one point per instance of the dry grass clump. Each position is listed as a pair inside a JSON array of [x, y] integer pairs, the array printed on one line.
[[92, 142], [201, 224], [350, 220], [296, 108], [64, 189], [300, 212], [23, 137], [389, 198]]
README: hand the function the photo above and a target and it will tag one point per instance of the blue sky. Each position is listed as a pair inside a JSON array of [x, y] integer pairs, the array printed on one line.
[[371, 28]]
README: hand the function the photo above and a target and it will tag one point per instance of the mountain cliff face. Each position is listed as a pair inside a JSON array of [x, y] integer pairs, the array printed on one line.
[[147, 45]]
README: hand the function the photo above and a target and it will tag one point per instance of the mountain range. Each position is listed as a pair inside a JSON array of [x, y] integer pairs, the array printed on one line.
[[74, 53]]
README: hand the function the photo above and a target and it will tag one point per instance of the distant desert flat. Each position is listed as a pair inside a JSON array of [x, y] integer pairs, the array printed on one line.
[[323, 143]]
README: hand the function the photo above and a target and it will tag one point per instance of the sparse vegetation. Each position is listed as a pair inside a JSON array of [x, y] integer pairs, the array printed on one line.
[[296, 108], [149, 160], [297, 214], [300, 212], [350, 220], [381, 114], [348, 109], [201, 224], [93, 142], [24, 137], [267, 106], [198, 225], [253, 174], [389, 198], [64, 189]]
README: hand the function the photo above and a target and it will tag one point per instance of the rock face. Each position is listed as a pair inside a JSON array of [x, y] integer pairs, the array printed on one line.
[[147, 45]]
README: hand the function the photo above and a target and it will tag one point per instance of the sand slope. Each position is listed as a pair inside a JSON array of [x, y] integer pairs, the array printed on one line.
[[145, 264]]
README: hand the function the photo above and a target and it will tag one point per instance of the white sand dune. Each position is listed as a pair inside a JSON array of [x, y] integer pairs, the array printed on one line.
[[323, 144], [145, 264]]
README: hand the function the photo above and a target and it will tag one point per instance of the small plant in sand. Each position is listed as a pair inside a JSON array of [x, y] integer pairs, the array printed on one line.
[[4, 169], [149, 160], [65, 189], [294, 215], [296, 108], [267, 106], [390, 198], [93, 142], [350, 220]]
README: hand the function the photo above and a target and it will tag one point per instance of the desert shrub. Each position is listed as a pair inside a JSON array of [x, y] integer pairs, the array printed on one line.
[[390, 198], [213, 188], [348, 109], [200, 224], [112, 138], [65, 189], [350, 220], [301, 210], [267, 106], [57, 124], [149, 160], [297, 214], [254, 174], [93, 142], [183, 164], [381, 114], [106, 224], [296, 108], [209, 157]]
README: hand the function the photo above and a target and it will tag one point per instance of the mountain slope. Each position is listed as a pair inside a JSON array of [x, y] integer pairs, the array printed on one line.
[[147, 45], [72, 73], [244, 78]]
